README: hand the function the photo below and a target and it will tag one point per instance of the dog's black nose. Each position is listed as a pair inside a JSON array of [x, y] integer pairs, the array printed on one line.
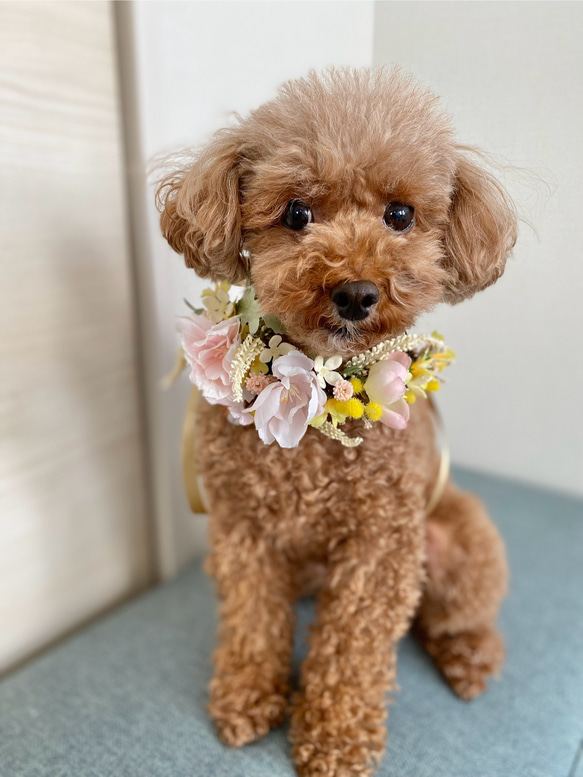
[[355, 300]]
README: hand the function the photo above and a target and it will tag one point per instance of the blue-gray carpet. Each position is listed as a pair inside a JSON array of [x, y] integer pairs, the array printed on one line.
[[126, 697]]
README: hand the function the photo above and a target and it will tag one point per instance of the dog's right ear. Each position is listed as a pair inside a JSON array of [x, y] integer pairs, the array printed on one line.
[[199, 210]]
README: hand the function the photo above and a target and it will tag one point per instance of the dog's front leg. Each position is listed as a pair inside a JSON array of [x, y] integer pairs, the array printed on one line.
[[366, 605], [249, 691]]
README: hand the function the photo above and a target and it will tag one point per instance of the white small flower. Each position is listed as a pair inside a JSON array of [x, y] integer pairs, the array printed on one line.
[[217, 303], [274, 349], [326, 370], [236, 293]]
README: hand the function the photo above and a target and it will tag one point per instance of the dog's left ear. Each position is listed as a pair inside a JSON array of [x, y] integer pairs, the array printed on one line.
[[480, 234]]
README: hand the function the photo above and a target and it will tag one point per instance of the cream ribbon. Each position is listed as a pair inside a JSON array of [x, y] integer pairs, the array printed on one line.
[[192, 480]]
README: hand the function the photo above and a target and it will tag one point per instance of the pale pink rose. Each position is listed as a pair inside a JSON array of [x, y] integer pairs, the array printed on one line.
[[209, 349], [386, 386], [284, 409]]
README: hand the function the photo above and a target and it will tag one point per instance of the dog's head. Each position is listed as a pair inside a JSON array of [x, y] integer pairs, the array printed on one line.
[[349, 204]]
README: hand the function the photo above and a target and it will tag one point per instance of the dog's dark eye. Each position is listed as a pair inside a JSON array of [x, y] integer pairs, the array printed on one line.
[[398, 216], [297, 215]]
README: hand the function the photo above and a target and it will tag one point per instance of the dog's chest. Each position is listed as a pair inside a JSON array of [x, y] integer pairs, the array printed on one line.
[[304, 498]]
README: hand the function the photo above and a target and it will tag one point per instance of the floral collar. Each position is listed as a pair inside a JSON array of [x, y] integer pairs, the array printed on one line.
[[239, 358]]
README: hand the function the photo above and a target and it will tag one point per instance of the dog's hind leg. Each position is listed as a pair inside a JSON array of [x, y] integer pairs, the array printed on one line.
[[467, 579]]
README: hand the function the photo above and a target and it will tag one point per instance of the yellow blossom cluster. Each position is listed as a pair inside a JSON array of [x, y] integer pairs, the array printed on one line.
[[354, 407], [424, 372]]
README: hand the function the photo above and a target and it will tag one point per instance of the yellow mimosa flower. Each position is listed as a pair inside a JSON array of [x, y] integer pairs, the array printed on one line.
[[373, 410]]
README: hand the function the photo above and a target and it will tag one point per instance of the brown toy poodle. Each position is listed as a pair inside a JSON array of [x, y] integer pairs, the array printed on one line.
[[386, 206]]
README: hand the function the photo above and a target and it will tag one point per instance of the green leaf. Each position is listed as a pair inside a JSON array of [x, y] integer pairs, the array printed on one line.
[[198, 311], [248, 309], [273, 323], [351, 370]]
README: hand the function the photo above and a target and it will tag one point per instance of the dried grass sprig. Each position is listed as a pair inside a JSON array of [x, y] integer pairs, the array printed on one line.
[[244, 357], [383, 350], [334, 433]]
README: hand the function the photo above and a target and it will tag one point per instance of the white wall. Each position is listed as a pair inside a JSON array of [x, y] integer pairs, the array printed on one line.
[[193, 64], [511, 74]]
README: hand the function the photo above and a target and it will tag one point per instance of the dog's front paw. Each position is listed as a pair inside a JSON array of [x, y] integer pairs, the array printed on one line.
[[468, 659], [336, 738], [246, 706]]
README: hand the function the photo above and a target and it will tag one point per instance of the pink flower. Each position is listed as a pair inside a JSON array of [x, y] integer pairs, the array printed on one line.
[[209, 349], [343, 390], [284, 409], [386, 386], [256, 383], [238, 415]]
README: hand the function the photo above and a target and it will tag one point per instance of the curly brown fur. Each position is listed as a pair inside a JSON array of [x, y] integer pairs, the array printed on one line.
[[349, 522], [466, 583]]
